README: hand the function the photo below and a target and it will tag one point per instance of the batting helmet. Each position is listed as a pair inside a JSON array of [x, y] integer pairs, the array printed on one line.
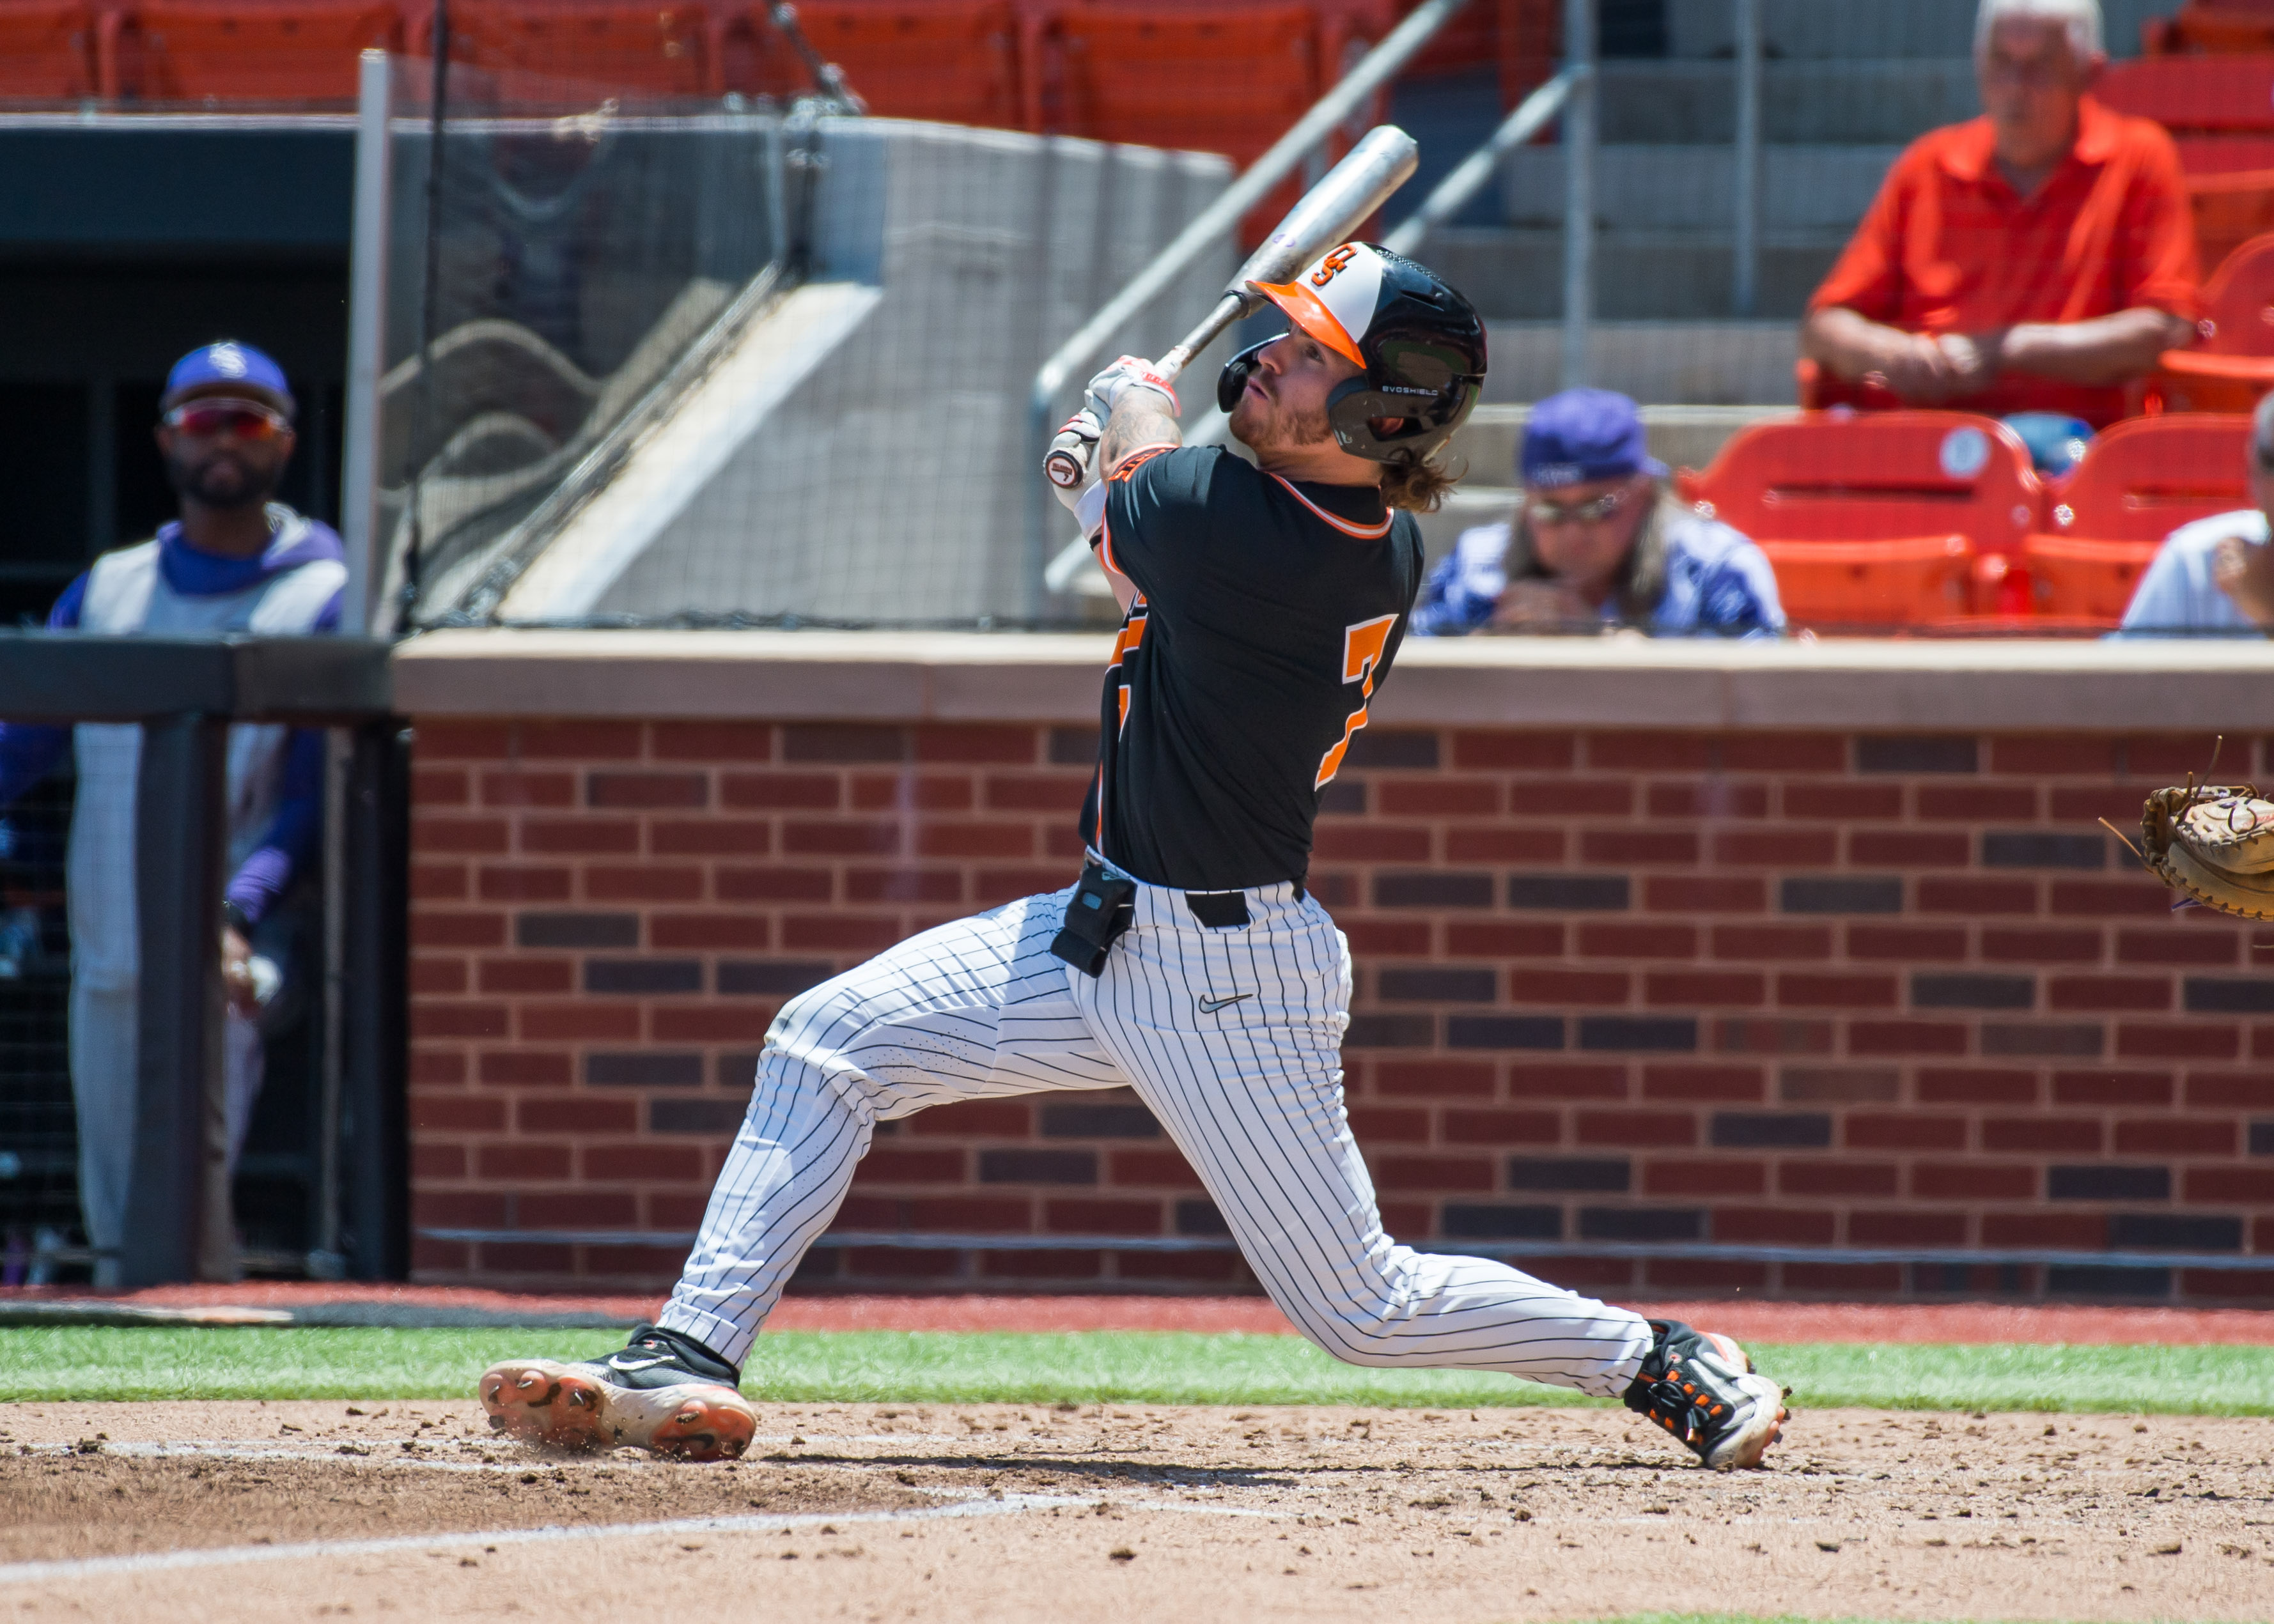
[[1422, 344]]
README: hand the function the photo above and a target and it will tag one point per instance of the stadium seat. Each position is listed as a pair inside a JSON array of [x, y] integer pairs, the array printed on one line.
[[2234, 363], [656, 51], [2219, 110], [2219, 28], [1891, 489], [299, 51], [2140, 481], [2229, 210], [966, 62], [47, 51]]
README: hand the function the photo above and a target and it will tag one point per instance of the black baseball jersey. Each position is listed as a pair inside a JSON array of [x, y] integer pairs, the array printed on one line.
[[1271, 613]]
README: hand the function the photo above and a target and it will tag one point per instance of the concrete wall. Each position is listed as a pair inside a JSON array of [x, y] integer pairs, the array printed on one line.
[[1817, 949]]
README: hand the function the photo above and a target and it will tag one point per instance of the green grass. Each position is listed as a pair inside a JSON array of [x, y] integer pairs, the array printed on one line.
[[1122, 1367]]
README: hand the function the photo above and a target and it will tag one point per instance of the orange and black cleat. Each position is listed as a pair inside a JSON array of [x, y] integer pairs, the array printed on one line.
[[1702, 1389], [664, 1392]]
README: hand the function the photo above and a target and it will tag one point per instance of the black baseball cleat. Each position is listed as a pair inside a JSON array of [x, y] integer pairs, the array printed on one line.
[[663, 1392], [1702, 1389]]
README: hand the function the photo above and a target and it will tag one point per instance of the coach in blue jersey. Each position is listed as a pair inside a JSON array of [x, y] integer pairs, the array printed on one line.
[[1265, 606], [234, 561]]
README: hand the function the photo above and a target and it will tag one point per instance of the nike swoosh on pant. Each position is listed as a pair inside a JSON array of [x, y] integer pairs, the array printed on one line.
[[1209, 1006]]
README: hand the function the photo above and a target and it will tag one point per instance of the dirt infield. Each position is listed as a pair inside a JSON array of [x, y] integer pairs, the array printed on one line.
[[1757, 1321], [297, 1510]]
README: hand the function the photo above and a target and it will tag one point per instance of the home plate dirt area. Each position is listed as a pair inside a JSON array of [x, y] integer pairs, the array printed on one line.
[[297, 1510]]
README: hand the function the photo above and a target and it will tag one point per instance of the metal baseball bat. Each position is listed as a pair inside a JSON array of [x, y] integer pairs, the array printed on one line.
[[1328, 213]]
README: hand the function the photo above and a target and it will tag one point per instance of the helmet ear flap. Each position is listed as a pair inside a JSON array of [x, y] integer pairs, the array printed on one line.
[[1232, 381]]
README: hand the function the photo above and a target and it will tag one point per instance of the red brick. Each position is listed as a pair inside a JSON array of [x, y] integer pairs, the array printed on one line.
[[438, 882], [710, 1023], [1664, 893], [1977, 804], [514, 787], [837, 933], [1780, 752], [576, 1210], [1637, 1128], [2245, 1186], [992, 887], [979, 745], [1722, 1083], [2097, 1088], [567, 1022], [702, 931], [1436, 797], [804, 791], [1706, 798], [2037, 756], [736, 742], [585, 836], [438, 1067], [1390, 1124], [576, 740], [438, 977], [1847, 1180], [2162, 949], [979, 1215], [904, 885], [526, 975], [1434, 1174], [632, 1159], [1525, 940], [1434, 1079], [1662, 1178], [773, 884], [2098, 994], [1518, 752], [1388, 939], [1490, 1128], [1504, 844], [1843, 803], [841, 837], [2068, 1135], [641, 883], [2241, 1285], [1809, 942], [1059, 792], [1705, 989], [1890, 848], [443, 739], [908, 791], [1000, 840], [522, 883], [438, 787], [1975, 1085], [1002, 1119], [1627, 847], [1907, 943], [2022, 945], [2138, 897], [574, 1113], [1796, 989], [2144, 1040], [522, 1158], [1904, 1131], [1776, 848], [1773, 1226], [1369, 842], [1908, 1227], [431, 1019], [437, 1162], [472, 1208], [1847, 1281], [455, 1114], [709, 837], [1163, 1168], [1622, 939], [2086, 804], [2088, 1232], [1970, 894], [1566, 1079], [1646, 752], [1762, 1036], [2170, 757], [432, 832], [647, 789], [1906, 1037], [901, 1164], [1095, 1217], [1539, 985], [1972, 1182], [2165, 1137], [2208, 1090], [1666, 1278]]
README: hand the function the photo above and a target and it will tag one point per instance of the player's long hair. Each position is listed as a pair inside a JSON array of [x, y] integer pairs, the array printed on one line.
[[1420, 487]]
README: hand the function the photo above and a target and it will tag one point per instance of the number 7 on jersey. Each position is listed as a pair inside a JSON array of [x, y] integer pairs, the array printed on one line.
[[1364, 645]]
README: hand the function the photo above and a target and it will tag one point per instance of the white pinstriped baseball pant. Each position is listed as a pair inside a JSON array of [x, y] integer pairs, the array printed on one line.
[[1252, 1093]]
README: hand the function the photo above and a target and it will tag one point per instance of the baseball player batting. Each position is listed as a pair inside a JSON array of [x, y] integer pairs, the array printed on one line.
[[1265, 605]]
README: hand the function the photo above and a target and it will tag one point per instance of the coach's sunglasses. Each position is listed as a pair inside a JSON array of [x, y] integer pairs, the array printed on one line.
[[208, 418], [1544, 512]]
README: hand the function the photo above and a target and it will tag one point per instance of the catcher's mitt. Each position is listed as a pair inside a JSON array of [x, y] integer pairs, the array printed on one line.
[[2214, 845]]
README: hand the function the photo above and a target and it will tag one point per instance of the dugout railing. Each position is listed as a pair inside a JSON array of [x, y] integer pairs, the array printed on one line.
[[184, 694]]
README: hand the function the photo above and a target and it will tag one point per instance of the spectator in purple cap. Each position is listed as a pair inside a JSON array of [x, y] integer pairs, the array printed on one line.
[[234, 561], [1599, 543]]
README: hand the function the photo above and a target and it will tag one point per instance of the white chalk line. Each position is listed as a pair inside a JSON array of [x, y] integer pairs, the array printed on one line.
[[316, 1550]]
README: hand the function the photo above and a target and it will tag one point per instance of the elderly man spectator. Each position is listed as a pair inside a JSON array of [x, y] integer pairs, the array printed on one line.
[[2217, 575], [2035, 260], [1599, 543]]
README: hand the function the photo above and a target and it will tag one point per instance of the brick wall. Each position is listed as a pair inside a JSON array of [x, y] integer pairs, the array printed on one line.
[[1770, 988]]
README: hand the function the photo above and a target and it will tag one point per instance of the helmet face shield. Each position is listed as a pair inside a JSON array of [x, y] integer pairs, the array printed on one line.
[[1232, 383]]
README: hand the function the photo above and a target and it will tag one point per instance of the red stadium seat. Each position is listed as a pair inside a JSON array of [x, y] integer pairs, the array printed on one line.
[[1898, 484], [2202, 94], [660, 49], [299, 51], [2234, 363], [965, 62], [47, 51], [2230, 209], [2219, 28], [1914, 581], [2140, 481]]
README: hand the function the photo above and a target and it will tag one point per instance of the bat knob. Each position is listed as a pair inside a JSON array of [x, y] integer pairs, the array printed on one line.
[[1063, 470]]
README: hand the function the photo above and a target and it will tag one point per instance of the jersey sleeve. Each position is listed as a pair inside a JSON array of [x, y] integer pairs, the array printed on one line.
[[1158, 518]]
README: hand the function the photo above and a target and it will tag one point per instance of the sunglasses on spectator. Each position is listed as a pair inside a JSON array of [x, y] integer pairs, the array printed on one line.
[[1593, 512], [245, 419]]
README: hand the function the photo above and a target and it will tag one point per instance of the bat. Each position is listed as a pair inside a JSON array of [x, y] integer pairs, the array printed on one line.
[[1328, 213]]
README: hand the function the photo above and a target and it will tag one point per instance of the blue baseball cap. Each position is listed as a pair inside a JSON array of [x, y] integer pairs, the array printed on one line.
[[1582, 435], [230, 364]]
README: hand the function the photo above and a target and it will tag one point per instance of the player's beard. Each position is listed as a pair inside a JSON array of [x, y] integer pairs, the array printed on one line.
[[1263, 425], [220, 479]]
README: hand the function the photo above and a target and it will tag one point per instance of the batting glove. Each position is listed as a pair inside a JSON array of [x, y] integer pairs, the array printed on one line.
[[1129, 372]]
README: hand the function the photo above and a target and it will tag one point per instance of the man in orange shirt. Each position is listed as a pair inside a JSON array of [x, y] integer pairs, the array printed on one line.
[[2034, 259]]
